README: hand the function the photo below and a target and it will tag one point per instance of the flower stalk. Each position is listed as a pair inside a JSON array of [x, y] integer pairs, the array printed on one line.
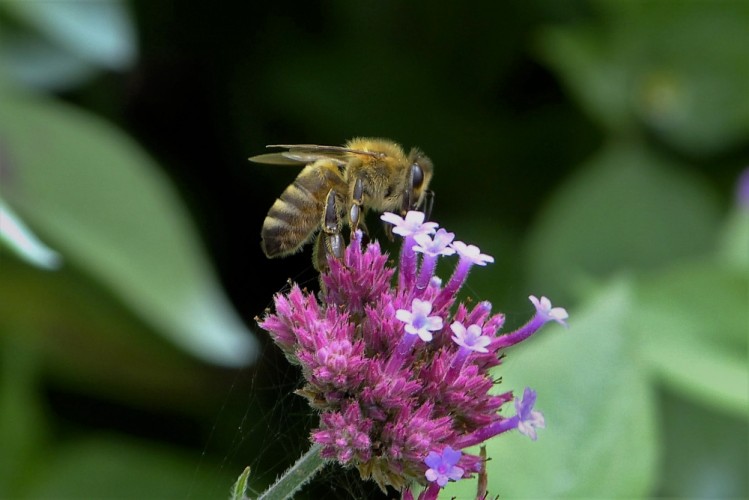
[[296, 476]]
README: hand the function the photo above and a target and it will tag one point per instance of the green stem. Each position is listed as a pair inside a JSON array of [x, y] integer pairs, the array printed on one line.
[[296, 476]]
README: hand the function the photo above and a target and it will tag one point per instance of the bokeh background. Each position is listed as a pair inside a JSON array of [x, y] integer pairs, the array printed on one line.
[[594, 148]]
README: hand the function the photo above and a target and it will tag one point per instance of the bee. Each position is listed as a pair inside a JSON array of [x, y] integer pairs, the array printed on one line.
[[336, 187]]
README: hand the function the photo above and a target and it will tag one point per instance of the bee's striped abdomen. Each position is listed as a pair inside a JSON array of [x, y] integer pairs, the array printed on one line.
[[295, 215]]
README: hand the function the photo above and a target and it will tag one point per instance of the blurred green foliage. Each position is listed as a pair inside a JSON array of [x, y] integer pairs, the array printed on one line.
[[590, 146]]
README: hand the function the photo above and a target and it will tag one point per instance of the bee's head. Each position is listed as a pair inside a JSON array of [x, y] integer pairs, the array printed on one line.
[[418, 176]]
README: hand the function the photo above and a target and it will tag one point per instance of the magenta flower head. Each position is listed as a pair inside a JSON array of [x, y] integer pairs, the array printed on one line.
[[400, 369]]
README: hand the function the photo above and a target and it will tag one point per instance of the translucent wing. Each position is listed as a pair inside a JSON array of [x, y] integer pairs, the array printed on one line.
[[309, 153], [274, 159]]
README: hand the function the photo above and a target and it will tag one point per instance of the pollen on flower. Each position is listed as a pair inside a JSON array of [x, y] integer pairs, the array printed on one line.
[[398, 409]]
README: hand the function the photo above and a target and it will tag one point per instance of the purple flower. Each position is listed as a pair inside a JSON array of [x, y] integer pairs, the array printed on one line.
[[549, 313], [471, 338], [528, 418], [432, 249], [417, 320], [412, 225], [436, 246], [442, 466], [472, 253], [397, 399]]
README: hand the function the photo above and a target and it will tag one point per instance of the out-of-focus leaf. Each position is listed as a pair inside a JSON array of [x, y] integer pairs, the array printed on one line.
[[22, 424], [110, 467], [705, 453], [99, 199], [734, 243], [594, 393], [626, 209], [597, 82], [15, 235], [692, 322], [89, 342], [98, 32], [37, 63], [677, 67]]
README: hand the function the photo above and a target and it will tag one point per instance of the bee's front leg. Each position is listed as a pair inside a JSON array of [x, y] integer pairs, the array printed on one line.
[[356, 213], [427, 203], [357, 198], [331, 226]]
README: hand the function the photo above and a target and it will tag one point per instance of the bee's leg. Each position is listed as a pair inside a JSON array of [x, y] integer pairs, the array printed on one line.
[[408, 202], [331, 226], [355, 215], [427, 203], [388, 228], [319, 253], [406, 205]]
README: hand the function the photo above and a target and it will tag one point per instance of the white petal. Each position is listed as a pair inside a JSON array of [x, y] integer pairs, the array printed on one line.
[[433, 323], [403, 315], [392, 218], [458, 329], [421, 307]]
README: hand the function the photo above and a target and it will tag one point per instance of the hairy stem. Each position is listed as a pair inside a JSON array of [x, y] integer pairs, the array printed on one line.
[[296, 476]]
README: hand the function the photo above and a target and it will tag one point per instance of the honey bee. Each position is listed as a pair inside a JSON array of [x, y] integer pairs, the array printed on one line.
[[336, 187]]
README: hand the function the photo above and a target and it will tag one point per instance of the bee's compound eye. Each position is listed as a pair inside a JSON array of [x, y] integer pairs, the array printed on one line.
[[417, 176]]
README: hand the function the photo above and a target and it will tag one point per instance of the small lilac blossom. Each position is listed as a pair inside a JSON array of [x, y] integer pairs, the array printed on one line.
[[397, 398], [442, 467], [412, 225], [471, 338], [432, 249], [472, 253], [409, 227], [544, 314], [417, 320], [544, 308], [528, 418], [436, 246]]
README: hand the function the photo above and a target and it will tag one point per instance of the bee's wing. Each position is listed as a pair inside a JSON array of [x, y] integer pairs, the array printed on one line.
[[275, 159], [309, 153]]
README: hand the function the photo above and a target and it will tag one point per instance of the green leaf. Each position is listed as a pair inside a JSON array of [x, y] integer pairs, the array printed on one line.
[[677, 68], [102, 201], [625, 209], [38, 63], [239, 490], [98, 32], [124, 468], [89, 342], [734, 242], [600, 438], [22, 420], [692, 321], [597, 82], [705, 453], [14, 234]]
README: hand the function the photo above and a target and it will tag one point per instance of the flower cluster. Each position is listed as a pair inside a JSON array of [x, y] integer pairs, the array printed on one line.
[[401, 372]]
